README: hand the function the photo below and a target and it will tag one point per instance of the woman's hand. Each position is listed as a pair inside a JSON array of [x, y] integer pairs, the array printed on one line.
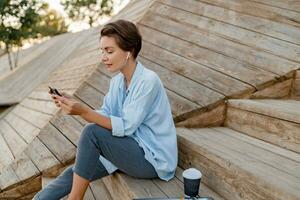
[[69, 105]]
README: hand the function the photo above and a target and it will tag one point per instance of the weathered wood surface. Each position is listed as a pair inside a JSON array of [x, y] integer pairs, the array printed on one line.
[[218, 20], [273, 121], [295, 93], [237, 169], [288, 110], [214, 117], [122, 186], [277, 91]]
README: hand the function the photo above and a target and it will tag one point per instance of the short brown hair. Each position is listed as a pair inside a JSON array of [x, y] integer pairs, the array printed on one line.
[[126, 35]]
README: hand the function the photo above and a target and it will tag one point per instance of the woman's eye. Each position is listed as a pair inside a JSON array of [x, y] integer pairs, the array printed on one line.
[[110, 52]]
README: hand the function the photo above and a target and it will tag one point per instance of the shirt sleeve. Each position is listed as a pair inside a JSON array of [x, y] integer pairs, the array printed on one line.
[[134, 113]]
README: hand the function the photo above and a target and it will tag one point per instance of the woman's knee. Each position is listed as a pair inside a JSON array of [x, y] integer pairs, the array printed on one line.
[[93, 130]]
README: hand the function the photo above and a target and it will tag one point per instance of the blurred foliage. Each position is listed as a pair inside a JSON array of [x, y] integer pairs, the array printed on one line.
[[24, 19], [87, 10]]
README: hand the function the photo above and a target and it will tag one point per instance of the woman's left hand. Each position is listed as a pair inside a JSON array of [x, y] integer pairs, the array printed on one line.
[[70, 106]]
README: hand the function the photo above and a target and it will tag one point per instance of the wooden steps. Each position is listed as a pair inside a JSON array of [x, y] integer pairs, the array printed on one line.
[[238, 166], [296, 86], [95, 191], [274, 121], [125, 187]]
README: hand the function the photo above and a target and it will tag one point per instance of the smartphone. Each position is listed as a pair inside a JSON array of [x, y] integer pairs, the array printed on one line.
[[54, 91]]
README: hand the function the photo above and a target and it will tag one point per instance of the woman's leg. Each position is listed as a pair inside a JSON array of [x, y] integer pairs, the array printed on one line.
[[123, 152], [62, 185]]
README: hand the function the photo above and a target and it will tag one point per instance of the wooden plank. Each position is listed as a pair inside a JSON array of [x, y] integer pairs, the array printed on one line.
[[22, 127], [229, 66], [122, 186], [225, 85], [24, 191], [40, 106], [279, 132], [99, 190], [6, 156], [206, 39], [192, 91], [16, 143], [59, 145], [214, 117], [36, 118], [41, 156], [8, 178], [282, 109], [230, 32], [23, 167], [260, 10], [90, 95], [271, 28], [99, 81], [252, 150], [295, 93], [229, 172], [276, 91], [288, 5], [261, 144], [70, 127]]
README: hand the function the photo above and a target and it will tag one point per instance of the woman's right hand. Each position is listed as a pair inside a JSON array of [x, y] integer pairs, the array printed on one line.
[[53, 96]]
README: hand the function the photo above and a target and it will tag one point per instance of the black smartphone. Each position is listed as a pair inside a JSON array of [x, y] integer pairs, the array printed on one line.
[[54, 91]]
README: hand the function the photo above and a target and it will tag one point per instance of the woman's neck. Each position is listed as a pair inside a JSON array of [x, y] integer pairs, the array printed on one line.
[[128, 71]]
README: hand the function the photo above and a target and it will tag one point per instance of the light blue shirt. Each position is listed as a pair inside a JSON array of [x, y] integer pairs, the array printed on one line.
[[143, 112]]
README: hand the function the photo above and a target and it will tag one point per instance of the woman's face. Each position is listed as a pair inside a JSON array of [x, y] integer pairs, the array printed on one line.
[[112, 55]]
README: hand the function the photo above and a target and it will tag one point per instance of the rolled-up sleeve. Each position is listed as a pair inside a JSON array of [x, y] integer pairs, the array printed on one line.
[[134, 113]]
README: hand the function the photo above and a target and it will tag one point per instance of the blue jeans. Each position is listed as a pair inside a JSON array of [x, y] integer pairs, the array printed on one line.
[[123, 152]]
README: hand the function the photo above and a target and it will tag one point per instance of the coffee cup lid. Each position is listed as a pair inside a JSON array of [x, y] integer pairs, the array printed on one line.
[[192, 173]]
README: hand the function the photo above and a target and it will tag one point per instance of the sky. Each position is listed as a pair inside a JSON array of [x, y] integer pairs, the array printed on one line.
[[77, 26]]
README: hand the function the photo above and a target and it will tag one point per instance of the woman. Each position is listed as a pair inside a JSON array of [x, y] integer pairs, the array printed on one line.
[[133, 131]]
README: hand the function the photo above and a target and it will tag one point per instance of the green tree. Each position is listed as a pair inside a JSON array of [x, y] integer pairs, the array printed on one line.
[[24, 19], [87, 10]]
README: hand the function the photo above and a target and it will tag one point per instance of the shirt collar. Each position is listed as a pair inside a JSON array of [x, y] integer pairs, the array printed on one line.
[[137, 72]]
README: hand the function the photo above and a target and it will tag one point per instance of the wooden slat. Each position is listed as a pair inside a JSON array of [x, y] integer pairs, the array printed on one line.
[[122, 186], [214, 117], [24, 129], [40, 155], [90, 95], [41, 106], [296, 86], [274, 29], [36, 118], [288, 4], [70, 127], [23, 167], [99, 190], [281, 109], [192, 91], [99, 81], [6, 156], [59, 145], [228, 171], [25, 191], [231, 32], [204, 38], [225, 85], [8, 177], [276, 91], [229, 66], [279, 132], [260, 10], [12, 138]]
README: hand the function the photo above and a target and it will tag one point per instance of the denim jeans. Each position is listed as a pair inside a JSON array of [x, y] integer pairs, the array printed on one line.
[[123, 152]]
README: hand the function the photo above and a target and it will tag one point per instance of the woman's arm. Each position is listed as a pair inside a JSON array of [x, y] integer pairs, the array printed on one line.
[[93, 117]]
